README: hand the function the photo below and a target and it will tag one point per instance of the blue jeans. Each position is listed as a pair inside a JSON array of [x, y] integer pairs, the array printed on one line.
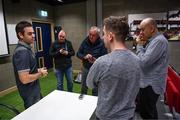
[[60, 74]]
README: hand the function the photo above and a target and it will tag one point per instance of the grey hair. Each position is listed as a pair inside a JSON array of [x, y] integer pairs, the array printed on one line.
[[96, 29]]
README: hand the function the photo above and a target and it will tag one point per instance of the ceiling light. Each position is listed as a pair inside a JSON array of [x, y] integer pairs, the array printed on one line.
[[59, 0]]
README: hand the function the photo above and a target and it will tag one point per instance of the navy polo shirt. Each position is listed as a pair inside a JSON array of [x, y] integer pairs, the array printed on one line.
[[24, 60]]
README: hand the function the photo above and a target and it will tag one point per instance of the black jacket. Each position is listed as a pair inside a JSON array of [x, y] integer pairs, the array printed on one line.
[[96, 50], [62, 61]]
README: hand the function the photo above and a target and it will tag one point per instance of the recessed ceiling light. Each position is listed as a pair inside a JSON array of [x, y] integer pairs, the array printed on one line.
[[59, 0]]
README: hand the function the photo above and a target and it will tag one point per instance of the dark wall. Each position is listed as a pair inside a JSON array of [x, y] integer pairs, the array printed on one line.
[[15, 12], [125, 7], [6, 71], [175, 54], [28, 10]]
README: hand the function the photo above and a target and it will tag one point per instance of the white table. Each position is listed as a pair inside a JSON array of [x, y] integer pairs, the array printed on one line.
[[60, 105]]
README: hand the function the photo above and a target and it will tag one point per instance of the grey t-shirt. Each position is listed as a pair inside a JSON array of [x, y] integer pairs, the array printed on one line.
[[117, 77]]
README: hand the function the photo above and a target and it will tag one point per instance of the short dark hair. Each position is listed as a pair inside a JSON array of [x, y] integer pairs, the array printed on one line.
[[117, 25], [21, 25]]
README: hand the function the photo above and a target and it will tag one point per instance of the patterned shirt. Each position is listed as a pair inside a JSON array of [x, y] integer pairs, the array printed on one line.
[[154, 63]]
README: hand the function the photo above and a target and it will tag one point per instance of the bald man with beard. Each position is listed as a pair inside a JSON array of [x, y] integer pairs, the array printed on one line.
[[62, 51]]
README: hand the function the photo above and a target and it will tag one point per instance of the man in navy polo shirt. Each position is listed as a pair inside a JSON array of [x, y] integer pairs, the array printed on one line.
[[25, 65]]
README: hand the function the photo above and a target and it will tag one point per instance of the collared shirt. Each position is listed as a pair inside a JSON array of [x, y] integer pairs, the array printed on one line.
[[154, 59], [24, 60]]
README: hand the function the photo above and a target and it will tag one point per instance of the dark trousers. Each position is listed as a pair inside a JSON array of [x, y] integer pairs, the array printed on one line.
[[84, 87], [146, 104], [30, 100]]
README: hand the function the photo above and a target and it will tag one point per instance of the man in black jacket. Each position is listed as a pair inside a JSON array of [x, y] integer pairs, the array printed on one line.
[[91, 48], [62, 50]]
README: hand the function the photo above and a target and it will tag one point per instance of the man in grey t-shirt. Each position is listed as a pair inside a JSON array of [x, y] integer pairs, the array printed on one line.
[[116, 74]]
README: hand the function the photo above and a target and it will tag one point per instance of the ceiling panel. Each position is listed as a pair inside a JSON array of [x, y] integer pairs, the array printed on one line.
[[59, 2]]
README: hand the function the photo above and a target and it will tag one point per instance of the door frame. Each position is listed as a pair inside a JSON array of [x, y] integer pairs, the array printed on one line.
[[52, 30], [46, 21]]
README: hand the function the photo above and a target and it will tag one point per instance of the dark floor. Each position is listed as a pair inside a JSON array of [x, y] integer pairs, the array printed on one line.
[[163, 112]]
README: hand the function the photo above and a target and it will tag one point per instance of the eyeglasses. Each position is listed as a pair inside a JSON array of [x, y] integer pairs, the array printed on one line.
[[62, 36]]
